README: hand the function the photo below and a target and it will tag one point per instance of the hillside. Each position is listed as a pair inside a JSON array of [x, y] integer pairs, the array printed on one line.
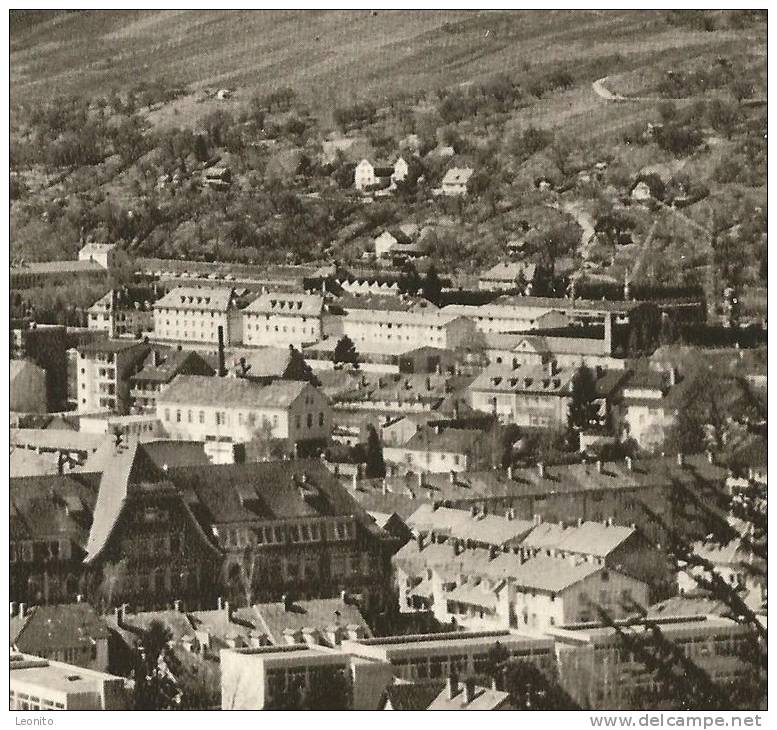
[[329, 57], [115, 117]]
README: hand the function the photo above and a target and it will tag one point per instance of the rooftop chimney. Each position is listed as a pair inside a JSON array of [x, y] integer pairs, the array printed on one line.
[[452, 476], [537, 519], [672, 376], [541, 469], [22, 609], [680, 459], [355, 480], [13, 608], [711, 457], [286, 600], [222, 368], [510, 471], [177, 605], [599, 466], [420, 480], [79, 598], [629, 463], [219, 603]]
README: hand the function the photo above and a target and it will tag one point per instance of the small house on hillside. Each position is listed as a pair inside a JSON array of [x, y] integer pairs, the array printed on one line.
[[218, 178], [455, 180], [379, 175]]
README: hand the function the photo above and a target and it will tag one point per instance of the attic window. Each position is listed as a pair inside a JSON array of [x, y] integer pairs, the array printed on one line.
[[73, 677]]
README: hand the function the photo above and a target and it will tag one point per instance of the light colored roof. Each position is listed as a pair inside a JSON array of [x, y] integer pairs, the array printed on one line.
[[317, 613], [56, 439], [458, 176], [192, 298], [594, 538], [482, 699], [488, 529], [28, 463], [262, 362], [203, 390], [58, 267], [553, 574], [291, 304], [451, 440], [509, 271], [97, 248], [535, 380]]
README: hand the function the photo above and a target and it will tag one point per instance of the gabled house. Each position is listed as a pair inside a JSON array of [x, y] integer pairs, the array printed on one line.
[[455, 181]]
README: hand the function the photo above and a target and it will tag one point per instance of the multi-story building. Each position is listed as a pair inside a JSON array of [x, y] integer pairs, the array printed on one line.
[[650, 405], [275, 677], [627, 491], [157, 371], [281, 319], [201, 408], [122, 312], [126, 530], [599, 673], [105, 368], [289, 528], [537, 396], [436, 449], [388, 330], [590, 345], [489, 589], [195, 314], [425, 658], [44, 684], [46, 346]]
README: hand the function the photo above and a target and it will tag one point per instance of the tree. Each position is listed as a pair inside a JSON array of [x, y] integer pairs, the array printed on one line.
[[583, 408], [345, 352], [298, 368], [432, 286], [375, 467], [155, 685]]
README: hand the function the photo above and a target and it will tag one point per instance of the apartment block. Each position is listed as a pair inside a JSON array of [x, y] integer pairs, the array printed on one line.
[[194, 314], [282, 319]]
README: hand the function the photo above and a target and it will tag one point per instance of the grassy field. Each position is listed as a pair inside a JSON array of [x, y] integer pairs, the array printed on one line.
[[329, 57]]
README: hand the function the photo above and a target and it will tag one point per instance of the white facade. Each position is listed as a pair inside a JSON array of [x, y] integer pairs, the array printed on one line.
[[193, 314], [243, 414], [100, 253], [280, 319]]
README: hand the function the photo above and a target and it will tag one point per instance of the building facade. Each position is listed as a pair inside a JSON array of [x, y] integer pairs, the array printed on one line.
[[105, 368], [195, 314], [282, 319]]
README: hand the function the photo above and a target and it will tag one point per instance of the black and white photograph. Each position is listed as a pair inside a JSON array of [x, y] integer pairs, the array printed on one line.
[[388, 359]]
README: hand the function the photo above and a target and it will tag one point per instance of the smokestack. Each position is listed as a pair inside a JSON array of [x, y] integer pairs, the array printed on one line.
[[222, 367], [608, 333]]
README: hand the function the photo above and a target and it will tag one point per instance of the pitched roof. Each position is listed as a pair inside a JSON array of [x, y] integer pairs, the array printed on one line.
[[56, 439], [49, 628], [267, 490], [229, 392], [461, 524], [291, 304], [193, 298], [169, 362], [529, 380], [108, 345], [450, 440], [58, 267], [483, 698], [122, 467], [27, 463], [594, 538], [509, 271], [318, 613], [411, 697], [261, 362], [457, 176]]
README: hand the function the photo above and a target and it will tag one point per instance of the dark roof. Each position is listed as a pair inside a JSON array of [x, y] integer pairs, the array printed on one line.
[[49, 628], [270, 490], [170, 362], [52, 506], [412, 696], [173, 454], [451, 440], [205, 390], [108, 345]]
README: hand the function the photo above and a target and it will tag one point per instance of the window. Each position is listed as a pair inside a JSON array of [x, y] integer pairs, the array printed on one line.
[[178, 416], [310, 420], [321, 419], [202, 416]]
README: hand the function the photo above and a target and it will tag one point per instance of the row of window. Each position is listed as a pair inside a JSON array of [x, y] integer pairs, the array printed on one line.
[[29, 551], [23, 701], [283, 534]]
